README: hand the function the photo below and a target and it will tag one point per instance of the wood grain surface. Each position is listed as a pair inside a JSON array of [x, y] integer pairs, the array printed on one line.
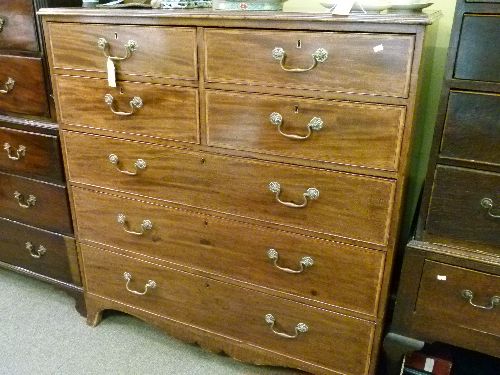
[[19, 28]]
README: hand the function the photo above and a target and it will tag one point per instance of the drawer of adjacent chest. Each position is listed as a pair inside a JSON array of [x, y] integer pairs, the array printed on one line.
[[357, 134], [158, 111], [22, 85], [39, 251], [35, 203], [17, 26], [232, 311], [465, 205], [31, 155], [376, 64], [328, 202], [156, 52]]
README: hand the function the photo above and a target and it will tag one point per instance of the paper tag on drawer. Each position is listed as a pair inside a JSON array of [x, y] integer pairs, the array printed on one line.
[[110, 65], [342, 7]]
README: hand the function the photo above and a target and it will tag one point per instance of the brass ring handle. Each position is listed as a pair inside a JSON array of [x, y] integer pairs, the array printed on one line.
[[304, 263], [139, 164], [8, 86], [149, 285], [145, 226], [488, 203], [320, 56], [25, 203], [130, 47], [20, 152], [315, 124], [299, 328], [135, 103], [2, 23], [469, 295], [310, 194], [36, 253]]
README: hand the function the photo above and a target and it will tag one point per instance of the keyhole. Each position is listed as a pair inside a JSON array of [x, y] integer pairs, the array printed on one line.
[[121, 90], [297, 109], [116, 35], [299, 43]]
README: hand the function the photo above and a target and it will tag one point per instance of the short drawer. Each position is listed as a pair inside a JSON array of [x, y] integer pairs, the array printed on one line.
[[160, 111], [232, 311], [235, 250], [39, 251], [358, 134], [18, 26], [156, 52], [31, 155], [23, 86], [476, 59], [348, 205], [465, 205], [375, 64], [472, 127], [35, 203]]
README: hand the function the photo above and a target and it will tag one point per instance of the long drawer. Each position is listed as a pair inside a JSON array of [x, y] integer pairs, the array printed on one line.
[[235, 250], [358, 134], [35, 203], [332, 340], [42, 252], [374, 64], [17, 26], [351, 206], [160, 111], [31, 155]]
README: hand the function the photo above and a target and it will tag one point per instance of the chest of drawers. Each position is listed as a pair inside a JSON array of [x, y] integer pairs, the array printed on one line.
[[241, 187]]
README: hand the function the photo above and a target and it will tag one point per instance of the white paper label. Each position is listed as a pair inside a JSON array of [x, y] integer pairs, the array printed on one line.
[[343, 7], [441, 277], [429, 365], [111, 73], [378, 48]]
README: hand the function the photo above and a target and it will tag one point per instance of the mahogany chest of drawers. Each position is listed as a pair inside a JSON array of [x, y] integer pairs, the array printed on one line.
[[241, 186]]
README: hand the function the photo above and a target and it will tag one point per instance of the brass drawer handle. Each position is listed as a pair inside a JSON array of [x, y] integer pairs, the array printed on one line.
[[134, 104], [25, 203], [469, 295], [488, 203], [315, 124], [8, 86], [299, 328], [320, 56], [304, 263], [20, 152], [145, 226], [139, 165], [130, 47], [149, 285], [310, 194], [36, 253], [2, 23]]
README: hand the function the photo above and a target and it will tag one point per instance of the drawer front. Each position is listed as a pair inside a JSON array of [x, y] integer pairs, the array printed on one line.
[[23, 85], [465, 205], [472, 127], [356, 134], [232, 311], [31, 155], [159, 52], [165, 112], [375, 64], [17, 26], [479, 34], [208, 243], [352, 206], [41, 252], [35, 203]]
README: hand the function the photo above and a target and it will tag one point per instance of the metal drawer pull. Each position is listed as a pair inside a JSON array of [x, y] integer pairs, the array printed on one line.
[[8, 86], [130, 47], [25, 203], [149, 285], [320, 56], [488, 203], [2, 23], [135, 103], [469, 295], [299, 328], [20, 152], [38, 253], [310, 194], [315, 124], [304, 263], [139, 164], [145, 226]]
